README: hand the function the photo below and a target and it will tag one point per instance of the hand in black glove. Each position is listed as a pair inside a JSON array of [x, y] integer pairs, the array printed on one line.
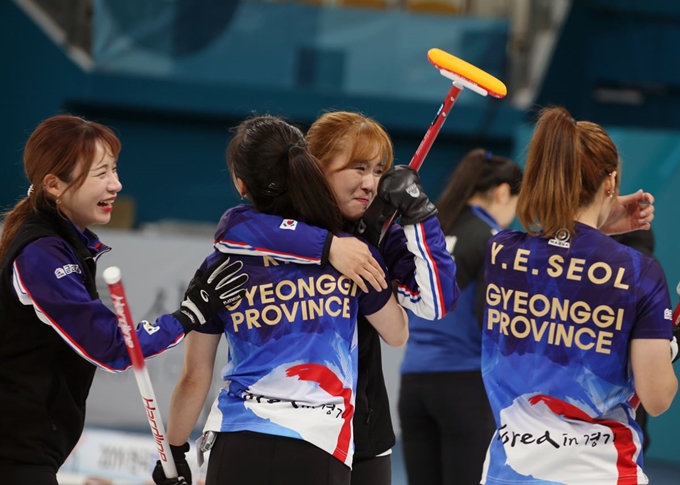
[[373, 220], [400, 187], [183, 470], [220, 286]]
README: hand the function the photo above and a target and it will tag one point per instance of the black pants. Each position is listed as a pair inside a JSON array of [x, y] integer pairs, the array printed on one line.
[[446, 425], [262, 459], [23, 475], [373, 471]]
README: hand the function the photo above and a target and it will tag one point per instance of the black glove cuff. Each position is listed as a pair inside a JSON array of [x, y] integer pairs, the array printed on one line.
[[179, 452], [187, 324], [419, 214]]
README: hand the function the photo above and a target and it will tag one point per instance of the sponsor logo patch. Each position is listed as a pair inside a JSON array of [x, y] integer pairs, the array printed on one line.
[[289, 224], [561, 239], [66, 270], [413, 191], [150, 327], [668, 314]]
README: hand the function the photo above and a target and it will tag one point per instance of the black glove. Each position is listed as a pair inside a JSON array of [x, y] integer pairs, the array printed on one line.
[[183, 470], [220, 286], [400, 187], [373, 220]]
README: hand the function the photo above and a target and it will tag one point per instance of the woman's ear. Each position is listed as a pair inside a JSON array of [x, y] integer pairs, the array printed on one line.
[[501, 194], [53, 185], [610, 184], [241, 187]]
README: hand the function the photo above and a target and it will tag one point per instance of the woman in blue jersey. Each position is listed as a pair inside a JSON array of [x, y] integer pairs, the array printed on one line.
[[575, 324], [285, 412], [355, 153], [54, 329], [446, 421]]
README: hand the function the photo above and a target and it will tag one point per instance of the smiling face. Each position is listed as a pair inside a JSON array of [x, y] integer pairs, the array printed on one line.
[[92, 202], [354, 182]]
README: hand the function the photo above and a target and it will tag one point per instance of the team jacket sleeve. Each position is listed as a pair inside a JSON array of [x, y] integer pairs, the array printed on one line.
[[243, 230], [60, 300], [654, 313], [417, 258], [374, 301]]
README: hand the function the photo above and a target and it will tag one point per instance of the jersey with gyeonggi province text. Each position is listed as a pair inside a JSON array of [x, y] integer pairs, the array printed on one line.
[[292, 360], [558, 321]]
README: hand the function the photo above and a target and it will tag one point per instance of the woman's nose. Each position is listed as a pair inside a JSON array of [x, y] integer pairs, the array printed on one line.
[[369, 183], [115, 184]]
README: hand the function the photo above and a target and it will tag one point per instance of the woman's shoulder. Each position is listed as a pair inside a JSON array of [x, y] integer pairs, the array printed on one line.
[[509, 236], [234, 216]]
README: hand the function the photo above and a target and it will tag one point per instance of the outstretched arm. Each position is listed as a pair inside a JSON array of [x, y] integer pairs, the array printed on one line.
[[63, 303], [243, 230]]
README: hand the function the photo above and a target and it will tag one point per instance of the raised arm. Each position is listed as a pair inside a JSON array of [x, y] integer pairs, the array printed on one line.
[[631, 212], [416, 256]]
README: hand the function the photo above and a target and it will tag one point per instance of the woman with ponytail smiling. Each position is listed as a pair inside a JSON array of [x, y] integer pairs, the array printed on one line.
[[54, 329]]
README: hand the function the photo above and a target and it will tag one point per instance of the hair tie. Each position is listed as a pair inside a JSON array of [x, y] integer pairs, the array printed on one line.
[[30, 191], [274, 190], [488, 155]]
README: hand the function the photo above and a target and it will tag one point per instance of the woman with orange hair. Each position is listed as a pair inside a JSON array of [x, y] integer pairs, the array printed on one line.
[[355, 153]]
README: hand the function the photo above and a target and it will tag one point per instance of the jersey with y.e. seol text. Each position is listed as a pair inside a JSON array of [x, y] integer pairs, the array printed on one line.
[[292, 359], [559, 318]]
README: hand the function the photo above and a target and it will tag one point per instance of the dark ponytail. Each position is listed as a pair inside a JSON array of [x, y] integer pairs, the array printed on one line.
[[478, 172], [282, 178]]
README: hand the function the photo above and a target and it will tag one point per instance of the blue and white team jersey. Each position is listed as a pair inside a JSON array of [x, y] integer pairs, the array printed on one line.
[[415, 255], [292, 360], [46, 275], [559, 318]]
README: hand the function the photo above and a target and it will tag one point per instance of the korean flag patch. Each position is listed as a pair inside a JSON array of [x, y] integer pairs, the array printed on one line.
[[289, 224]]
